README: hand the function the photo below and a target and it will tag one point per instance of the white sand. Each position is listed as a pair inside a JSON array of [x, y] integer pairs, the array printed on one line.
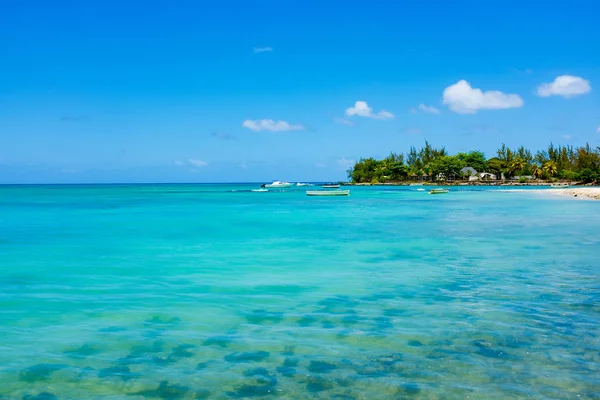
[[589, 193]]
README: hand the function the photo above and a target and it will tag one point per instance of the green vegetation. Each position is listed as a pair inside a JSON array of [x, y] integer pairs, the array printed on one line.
[[429, 163]]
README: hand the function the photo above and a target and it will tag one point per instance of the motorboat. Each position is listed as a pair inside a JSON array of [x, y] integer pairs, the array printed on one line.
[[559, 185], [327, 192], [303, 184], [331, 186], [438, 191], [277, 185]]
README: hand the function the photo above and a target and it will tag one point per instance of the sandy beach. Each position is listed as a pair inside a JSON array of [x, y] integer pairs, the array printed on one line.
[[586, 193]]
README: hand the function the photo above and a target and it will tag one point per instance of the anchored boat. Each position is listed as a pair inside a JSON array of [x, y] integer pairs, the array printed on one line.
[[559, 185], [331, 186], [327, 192], [438, 191]]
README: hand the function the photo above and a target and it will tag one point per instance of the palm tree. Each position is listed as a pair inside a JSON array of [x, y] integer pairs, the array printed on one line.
[[536, 171], [550, 168], [518, 164]]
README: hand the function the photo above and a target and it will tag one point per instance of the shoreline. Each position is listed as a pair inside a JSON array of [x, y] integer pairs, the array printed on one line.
[[582, 193], [462, 183]]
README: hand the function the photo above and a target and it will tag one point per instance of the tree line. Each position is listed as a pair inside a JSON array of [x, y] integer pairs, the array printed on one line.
[[555, 162]]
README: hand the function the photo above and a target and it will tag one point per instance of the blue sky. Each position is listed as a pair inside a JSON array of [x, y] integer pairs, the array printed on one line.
[[198, 91]]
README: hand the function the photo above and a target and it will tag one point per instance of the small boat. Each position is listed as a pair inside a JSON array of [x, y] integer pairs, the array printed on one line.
[[438, 191], [303, 184], [331, 186], [416, 184], [262, 190], [559, 185], [277, 185], [327, 192]]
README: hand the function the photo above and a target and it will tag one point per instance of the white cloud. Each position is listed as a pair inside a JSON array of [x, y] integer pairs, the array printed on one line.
[[565, 86], [345, 163], [198, 163], [344, 121], [463, 99], [567, 137], [270, 125], [263, 50], [425, 109], [362, 109], [178, 163]]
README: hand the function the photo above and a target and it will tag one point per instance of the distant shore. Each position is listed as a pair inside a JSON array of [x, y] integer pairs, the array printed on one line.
[[476, 183]]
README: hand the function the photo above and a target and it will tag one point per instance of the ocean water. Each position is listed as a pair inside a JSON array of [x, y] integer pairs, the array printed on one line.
[[217, 292]]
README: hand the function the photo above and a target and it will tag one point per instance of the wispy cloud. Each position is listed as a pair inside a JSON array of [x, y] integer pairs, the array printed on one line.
[[271, 125], [566, 86], [463, 99], [223, 136], [345, 163], [425, 109], [344, 121], [198, 163], [362, 109], [267, 49]]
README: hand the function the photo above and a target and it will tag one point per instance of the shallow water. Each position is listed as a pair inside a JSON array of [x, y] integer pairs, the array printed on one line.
[[217, 292]]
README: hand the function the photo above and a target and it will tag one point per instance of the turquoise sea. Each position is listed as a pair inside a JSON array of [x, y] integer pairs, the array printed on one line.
[[218, 292]]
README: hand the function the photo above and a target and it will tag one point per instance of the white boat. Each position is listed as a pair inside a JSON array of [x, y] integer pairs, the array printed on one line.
[[278, 185], [416, 184], [304, 184], [559, 185], [331, 186], [420, 190], [327, 192]]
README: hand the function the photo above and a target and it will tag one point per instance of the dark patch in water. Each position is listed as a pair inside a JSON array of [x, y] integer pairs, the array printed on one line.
[[40, 372], [290, 362], [142, 353], [379, 296], [316, 384], [82, 352], [415, 343], [383, 323], [220, 341], [165, 391], [288, 372], [120, 371], [485, 349], [321, 367], [288, 350], [41, 396], [393, 312], [262, 383], [248, 356], [351, 319], [307, 320], [263, 316], [327, 325], [409, 389], [182, 351]]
